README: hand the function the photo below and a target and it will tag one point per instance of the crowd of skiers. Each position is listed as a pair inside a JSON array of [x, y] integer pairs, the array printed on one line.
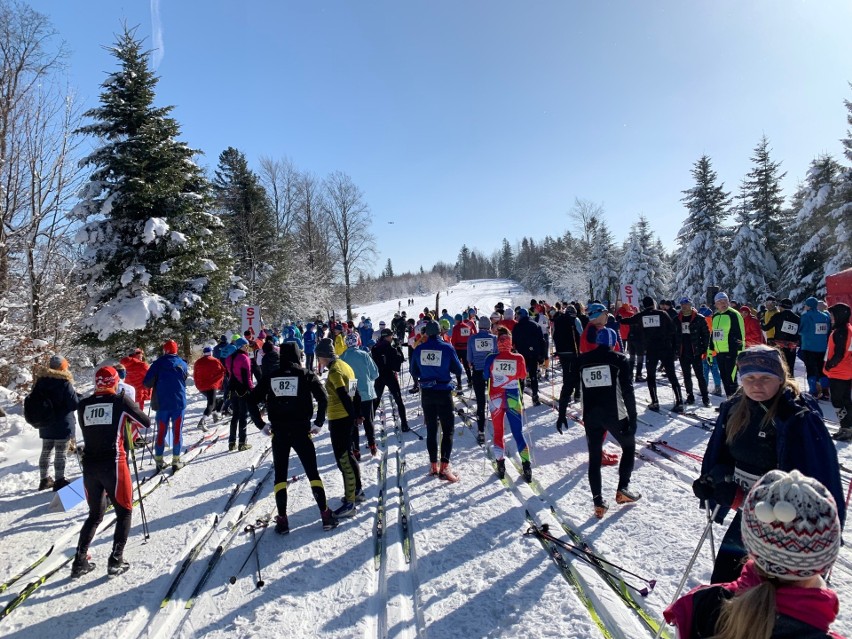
[[766, 425]]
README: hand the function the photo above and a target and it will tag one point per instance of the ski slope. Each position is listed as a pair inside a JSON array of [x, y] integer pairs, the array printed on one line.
[[457, 565]]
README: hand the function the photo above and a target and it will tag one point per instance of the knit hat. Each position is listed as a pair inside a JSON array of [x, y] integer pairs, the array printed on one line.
[[432, 329], [351, 340], [647, 302], [595, 310], [58, 363], [790, 526], [811, 302], [484, 323], [106, 377], [523, 313], [444, 324], [770, 298], [504, 343], [787, 303], [720, 296], [606, 337], [386, 332], [208, 350], [170, 347], [685, 300], [458, 317], [744, 310], [760, 359], [509, 314], [382, 324], [325, 348], [240, 342]]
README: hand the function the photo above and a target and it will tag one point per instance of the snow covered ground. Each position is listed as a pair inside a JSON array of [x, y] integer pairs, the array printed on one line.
[[470, 572]]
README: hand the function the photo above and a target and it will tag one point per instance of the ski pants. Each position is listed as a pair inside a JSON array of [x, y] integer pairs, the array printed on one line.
[[309, 361], [287, 437], [711, 367], [58, 447], [667, 359], [210, 396], [462, 354], [478, 380], [112, 479], [239, 419], [532, 370], [694, 364], [341, 444], [369, 430], [438, 406], [814, 362], [570, 380], [506, 406], [729, 559], [841, 399], [636, 354], [789, 357], [728, 371], [166, 418], [595, 435], [392, 382]]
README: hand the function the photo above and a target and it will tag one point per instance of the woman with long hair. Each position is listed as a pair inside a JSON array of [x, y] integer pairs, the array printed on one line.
[[766, 424]]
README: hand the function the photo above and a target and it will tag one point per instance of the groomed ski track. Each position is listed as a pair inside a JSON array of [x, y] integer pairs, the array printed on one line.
[[472, 572]]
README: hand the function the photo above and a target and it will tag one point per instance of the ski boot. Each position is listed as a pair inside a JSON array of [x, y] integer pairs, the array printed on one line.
[[329, 521], [608, 459], [117, 566], [501, 468], [626, 496], [216, 416], [201, 425], [480, 438], [405, 427], [433, 469], [600, 509], [690, 398], [177, 463], [706, 401], [843, 435], [81, 566], [245, 446], [160, 462], [527, 471], [45, 483], [373, 450], [347, 509], [232, 446], [536, 401], [282, 526], [360, 497], [678, 407], [447, 473], [655, 406], [561, 422], [639, 378]]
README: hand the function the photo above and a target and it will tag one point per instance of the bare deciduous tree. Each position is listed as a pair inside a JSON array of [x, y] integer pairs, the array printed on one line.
[[280, 178], [349, 220]]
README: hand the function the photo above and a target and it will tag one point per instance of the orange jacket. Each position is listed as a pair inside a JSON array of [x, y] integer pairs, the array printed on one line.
[[844, 369]]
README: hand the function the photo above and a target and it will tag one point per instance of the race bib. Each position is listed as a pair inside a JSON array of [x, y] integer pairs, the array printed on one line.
[[508, 368], [464, 332], [791, 328], [685, 327], [483, 345], [284, 386], [430, 358], [97, 415], [718, 335], [596, 376], [821, 329], [651, 321], [353, 388]]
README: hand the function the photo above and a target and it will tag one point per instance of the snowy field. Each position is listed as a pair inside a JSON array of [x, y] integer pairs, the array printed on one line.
[[468, 570]]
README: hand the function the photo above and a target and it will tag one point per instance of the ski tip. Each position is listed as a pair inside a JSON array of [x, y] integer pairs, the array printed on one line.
[[652, 583]]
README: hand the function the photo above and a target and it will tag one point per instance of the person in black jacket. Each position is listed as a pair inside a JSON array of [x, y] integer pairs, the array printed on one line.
[[661, 342], [566, 342], [694, 340], [271, 359], [57, 384], [529, 343], [389, 358], [608, 405], [287, 393], [786, 327], [105, 420]]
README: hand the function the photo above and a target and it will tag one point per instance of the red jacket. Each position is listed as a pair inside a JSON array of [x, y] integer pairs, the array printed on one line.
[[461, 333], [136, 370], [754, 334], [624, 311], [208, 373]]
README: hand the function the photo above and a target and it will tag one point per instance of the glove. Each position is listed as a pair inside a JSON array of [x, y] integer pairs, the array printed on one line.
[[540, 361], [703, 488], [267, 429], [628, 426], [560, 423], [727, 494], [316, 429]]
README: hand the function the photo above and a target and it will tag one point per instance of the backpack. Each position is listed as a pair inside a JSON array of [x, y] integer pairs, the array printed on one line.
[[38, 408]]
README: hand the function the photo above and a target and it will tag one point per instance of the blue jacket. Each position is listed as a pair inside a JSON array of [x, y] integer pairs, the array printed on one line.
[[310, 339], [365, 369], [434, 363], [802, 442], [814, 327], [167, 376], [291, 335], [365, 332], [477, 356]]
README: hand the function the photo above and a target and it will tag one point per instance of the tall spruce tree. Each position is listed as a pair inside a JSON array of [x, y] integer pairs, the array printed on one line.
[[156, 263], [764, 202], [701, 257], [604, 263], [506, 260], [812, 241], [748, 282], [643, 262], [840, 255], [249, 220]]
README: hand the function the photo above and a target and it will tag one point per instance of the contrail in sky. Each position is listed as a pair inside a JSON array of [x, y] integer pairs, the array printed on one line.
[[157, 34]]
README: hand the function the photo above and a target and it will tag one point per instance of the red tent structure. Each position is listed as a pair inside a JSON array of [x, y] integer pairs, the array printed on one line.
[[838, 287]]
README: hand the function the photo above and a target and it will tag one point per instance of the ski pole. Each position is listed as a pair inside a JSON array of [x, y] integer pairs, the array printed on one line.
[[712, 541], [145, 530], [689, 566], [251, 528], [142, 461]]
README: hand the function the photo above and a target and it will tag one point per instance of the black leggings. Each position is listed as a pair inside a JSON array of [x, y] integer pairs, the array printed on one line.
[[369, 431], [341, 443], [438, 406], [113, 480], [729, 559], [478, 379], [210, 396], [694, 365], [594, 440], [841, 400], [390, 380], [239, 418], [462, 355], [667, 360], [296, 437]]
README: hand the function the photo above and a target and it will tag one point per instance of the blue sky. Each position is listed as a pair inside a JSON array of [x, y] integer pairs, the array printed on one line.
[[470, 121]]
